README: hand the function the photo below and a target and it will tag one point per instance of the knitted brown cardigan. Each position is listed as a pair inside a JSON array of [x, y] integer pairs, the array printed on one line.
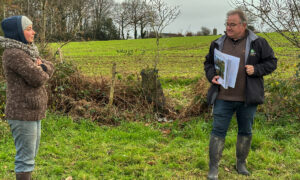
[[26, 96]]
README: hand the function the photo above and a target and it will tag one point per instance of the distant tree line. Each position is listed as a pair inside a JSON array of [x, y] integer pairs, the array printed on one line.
[[62, 20], [205, 31]]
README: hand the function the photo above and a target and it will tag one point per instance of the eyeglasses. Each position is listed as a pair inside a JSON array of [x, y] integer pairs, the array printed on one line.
[[231, 25]]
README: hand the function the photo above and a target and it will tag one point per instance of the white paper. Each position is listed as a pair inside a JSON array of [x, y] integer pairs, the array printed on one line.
[[227, 67]]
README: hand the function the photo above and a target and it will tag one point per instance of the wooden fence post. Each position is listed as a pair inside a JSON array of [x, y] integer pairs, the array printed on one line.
[[60, 55], [112, 86]]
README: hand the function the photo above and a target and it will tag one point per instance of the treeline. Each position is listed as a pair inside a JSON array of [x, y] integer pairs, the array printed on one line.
[[62, 20]]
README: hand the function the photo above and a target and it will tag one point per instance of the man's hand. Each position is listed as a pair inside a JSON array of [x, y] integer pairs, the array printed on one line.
[[39, 62], [249, 69], [215, 80]]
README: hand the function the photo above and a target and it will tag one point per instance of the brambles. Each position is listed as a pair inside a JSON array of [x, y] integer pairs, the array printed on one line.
[[282, 98], [81, 96], [86, 97]]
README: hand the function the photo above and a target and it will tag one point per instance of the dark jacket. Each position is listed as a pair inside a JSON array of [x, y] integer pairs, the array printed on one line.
[[257, 53], [26, 96]]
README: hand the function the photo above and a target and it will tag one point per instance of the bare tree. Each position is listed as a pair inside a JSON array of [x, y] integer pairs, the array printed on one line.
[[161, 15], [144, 20], [121, 17], [62, 20], [282, 16], [215, 31], [44, 4], [134, 12], [79, 11], [101, 9], [3, 7], [251, 19]]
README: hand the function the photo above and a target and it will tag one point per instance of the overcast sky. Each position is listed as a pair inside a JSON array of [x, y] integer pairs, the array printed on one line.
[[198, 13]]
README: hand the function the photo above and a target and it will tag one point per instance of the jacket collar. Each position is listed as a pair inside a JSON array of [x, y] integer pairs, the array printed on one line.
[[251, 37]]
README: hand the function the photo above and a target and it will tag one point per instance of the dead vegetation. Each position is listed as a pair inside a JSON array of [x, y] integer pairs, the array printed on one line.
[[198, 105], [79, 96]]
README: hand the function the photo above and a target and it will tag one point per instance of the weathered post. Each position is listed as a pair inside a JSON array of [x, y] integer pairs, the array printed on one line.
[[152, 89], [60, 55], [112, 86]]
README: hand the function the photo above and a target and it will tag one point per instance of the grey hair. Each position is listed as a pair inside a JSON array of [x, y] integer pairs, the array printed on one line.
[[240, 13]]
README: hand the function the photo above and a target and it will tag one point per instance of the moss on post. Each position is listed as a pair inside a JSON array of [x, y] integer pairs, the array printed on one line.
[[152, 89]]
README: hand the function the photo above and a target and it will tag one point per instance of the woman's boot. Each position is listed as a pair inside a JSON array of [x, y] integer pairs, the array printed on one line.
[[23, 176]]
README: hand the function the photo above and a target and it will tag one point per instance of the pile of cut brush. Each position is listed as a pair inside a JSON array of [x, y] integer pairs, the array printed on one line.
[[80, 96]]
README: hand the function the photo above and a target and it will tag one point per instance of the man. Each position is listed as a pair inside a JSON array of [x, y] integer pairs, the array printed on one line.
[[256, 60]]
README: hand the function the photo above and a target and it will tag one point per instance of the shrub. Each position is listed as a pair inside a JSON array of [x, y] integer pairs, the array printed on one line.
[[282, 98], [199, 33], [189, 34], [205, 31]]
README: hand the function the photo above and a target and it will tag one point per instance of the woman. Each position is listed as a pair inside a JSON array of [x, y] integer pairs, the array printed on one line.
[[26, 98]]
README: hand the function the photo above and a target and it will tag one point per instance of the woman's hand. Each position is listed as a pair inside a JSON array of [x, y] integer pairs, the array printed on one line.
[[39, 62]]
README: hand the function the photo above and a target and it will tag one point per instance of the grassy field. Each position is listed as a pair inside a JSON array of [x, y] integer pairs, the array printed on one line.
[[136, 150], [180, 56], [152, 150], [181, 61]]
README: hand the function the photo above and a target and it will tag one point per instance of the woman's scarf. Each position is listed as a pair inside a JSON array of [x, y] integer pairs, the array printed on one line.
[[30, 49]]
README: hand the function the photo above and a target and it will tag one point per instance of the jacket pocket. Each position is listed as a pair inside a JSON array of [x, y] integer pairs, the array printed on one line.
[[212, 94], [255, 90]]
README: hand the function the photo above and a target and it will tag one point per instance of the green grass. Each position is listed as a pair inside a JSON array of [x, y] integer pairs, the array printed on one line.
[[136, 150], [181, 61], [180, 57]]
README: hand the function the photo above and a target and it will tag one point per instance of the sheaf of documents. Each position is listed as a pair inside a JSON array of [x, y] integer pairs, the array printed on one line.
[[227, 67]]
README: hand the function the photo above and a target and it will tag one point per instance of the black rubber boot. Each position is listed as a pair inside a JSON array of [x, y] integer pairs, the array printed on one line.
[[216, 146], [23, 176], [242, 150]]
